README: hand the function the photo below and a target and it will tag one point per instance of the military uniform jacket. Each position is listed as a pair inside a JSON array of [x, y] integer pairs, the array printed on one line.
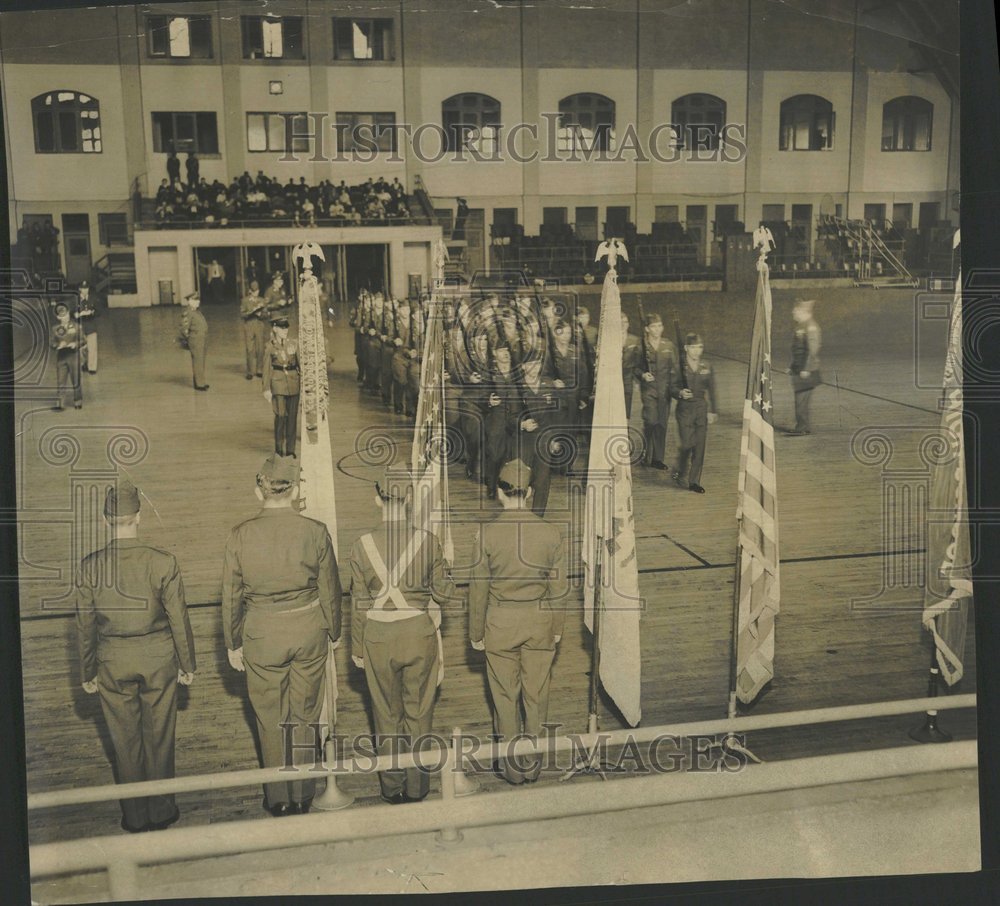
[[520, 562], [701, 383], [657, 393], [130, 590], [278, 560], [401, 353], [631, 360], [194, 327], [425, 578], [281, 367], [805, 355], [506, 387]]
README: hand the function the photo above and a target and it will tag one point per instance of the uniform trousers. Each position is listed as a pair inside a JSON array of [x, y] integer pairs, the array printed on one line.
[[471, 425], [401, 666], [197, 345], [656, 442], [254, 340], [803, 388], [285, 658], [539, 461], [137, 683], [496, 450], [286, 423], [68, 372], [520, 649], [692, 428]]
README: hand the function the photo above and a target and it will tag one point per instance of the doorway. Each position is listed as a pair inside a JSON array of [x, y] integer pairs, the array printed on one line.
[[76, 239], [366, 267], [217, 275]]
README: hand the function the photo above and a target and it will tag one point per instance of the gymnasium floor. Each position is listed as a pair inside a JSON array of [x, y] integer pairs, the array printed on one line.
[[849, 631]]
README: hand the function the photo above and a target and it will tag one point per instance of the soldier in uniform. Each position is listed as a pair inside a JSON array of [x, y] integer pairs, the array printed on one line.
[[401, 359], [279, 305], [656, 389], [387, 350], [398, 582], [416, 359], [502, 415], [280, 609], [630, 362], [536, 430], [135, 646], [359, 321], [695, 412], [586, 340], [517, 600], [373, 347], [281, 386], [66, 338], [254, 330], [805, 363], [194, 334]]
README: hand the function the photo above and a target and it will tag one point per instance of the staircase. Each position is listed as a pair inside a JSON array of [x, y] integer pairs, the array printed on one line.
[[115, 273], [874, 262], [419, 203]]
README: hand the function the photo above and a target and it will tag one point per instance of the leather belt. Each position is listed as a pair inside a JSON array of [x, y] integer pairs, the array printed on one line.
[[284, 368]]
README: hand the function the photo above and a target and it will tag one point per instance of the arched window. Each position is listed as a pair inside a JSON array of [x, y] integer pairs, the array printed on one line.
[[806, 124], [586, 123], [66, 122], [906, 124], [471, 121], [698, 120]]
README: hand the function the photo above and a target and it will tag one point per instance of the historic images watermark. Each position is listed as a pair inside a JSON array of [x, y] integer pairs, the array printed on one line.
[[554, 752], [550, 141]]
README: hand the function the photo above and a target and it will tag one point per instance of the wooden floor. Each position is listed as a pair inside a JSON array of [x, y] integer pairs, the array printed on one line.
[[849, 631]]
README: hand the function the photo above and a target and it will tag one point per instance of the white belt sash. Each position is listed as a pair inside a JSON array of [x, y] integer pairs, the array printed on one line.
[[391, 592]]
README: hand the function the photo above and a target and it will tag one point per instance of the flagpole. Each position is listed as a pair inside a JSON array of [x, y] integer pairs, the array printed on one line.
[[929, 731]]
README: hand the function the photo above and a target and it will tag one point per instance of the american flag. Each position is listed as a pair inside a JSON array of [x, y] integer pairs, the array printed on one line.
[[428, 458], [948, 585], [757, 583]]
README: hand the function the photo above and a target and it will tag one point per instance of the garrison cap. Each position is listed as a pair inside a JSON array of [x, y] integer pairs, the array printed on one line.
[[279, 322], [393, 484], [280, 468], [121, 500], [192, 297], [516, 474]]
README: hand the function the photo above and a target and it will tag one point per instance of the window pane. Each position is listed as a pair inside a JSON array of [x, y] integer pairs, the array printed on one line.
[[208, 137], [271, 33], [45, 130], [922, 132], [300, 126], [362, 40], [275, 132], [68, 131], [292, 38], [201, 36], [343, 39], [159, 38], [180, 42], [256, 135], [381, 36], [184, 124]]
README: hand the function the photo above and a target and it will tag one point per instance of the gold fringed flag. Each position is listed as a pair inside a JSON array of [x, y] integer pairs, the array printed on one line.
[[429, 455], [609, 515], [757, 582], [318, 496], [948, 585]]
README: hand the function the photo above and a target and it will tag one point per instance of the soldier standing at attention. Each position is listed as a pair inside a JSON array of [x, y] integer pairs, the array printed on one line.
[[194, 333], [401, 358], [280, 608], [398, 582], [805, 364], [135, 646], [254, 330], [281, 386], [695, 412], [630, 362], [656, 390], [278, 303], [517, 600]]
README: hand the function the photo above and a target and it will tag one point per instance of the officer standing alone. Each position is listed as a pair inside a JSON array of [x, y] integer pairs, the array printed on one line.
[[254, 330], [517, 600], [398, 582], [194, 334], [695, 412], [280, 609], [135, 646]]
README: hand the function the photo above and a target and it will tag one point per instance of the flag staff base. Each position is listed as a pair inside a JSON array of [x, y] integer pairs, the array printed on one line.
[[731, 744], [929, 731], [592, 762]]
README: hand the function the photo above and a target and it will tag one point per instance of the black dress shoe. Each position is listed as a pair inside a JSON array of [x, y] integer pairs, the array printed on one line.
[[134, 830], [57, 408], [77, 405], [301, 808], [697, 488], [249, 377], [205, 387], [397, 799], [407, 798], [258, 374], [656, 464], [280, 810], [166, 822]]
